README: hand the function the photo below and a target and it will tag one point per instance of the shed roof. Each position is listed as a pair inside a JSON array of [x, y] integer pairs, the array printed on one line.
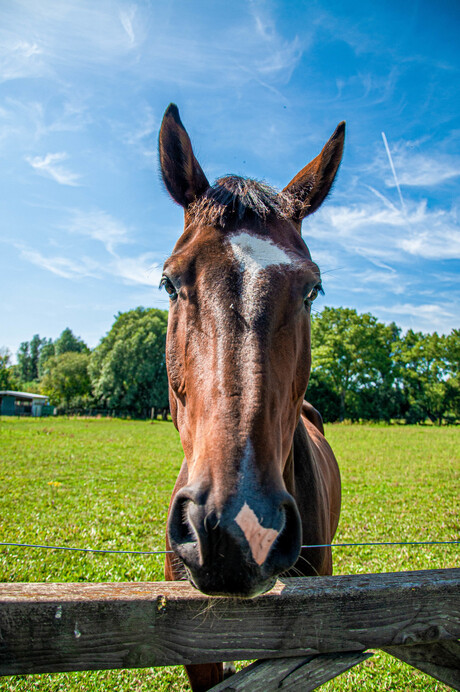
[[23, 395]]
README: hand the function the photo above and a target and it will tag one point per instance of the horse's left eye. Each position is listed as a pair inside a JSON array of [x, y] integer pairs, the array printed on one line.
[[313, 294], [169, 287]]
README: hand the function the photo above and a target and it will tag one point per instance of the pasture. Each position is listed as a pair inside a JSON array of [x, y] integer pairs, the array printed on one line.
[[106, 484]]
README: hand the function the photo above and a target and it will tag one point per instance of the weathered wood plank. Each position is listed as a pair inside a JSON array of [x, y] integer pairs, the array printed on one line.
[[291, 674], [441, 659], [63, 627]]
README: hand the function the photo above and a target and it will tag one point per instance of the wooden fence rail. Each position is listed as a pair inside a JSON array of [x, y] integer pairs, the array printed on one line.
[[317, 626]]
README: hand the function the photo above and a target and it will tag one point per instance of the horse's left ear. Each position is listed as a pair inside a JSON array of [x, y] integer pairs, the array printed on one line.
[[181, 172], [310, 187]]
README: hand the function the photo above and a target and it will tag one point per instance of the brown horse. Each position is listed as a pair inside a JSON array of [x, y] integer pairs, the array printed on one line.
[[259, 479]]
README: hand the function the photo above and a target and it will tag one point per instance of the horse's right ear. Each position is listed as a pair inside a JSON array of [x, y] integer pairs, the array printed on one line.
[[181, 172]]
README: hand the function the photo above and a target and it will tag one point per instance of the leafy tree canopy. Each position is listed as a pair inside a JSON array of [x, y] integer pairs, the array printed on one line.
[[351, 352], [127, 369], [66, 378], [7, 378], [28, 356], [429, 373], [67, 342]]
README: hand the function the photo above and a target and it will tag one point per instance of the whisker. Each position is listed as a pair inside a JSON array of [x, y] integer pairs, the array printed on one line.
[[328, 271], [301, 557]]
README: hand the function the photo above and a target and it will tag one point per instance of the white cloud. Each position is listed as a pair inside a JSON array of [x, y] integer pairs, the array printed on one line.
[[98, 225], [441, 242], [416, 165], [50, 166], [427, 317], [126, 18], [142, 270], [420, 170], [89, 35], [20, 58], [142, 135], [62, 266], [390, 280], [384, 233]]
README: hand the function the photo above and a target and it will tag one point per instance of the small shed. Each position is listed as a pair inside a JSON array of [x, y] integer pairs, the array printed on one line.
[[24, 404]]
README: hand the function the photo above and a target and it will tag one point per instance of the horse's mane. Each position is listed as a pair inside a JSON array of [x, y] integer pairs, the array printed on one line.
[[236, 198]]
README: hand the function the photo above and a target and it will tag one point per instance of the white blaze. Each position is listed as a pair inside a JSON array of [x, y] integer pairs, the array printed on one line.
[[259, 538], [254, 255]]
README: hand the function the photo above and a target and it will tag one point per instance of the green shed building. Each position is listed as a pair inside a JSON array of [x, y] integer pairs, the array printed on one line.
[[24, 404]]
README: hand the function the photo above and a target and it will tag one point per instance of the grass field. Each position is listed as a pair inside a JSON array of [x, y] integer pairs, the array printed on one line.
[[107, 483]]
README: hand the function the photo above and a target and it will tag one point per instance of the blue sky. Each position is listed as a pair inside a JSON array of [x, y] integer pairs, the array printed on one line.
[[85, 223]]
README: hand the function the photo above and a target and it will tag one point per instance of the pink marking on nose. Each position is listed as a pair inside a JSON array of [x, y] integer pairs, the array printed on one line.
[[260, 539]]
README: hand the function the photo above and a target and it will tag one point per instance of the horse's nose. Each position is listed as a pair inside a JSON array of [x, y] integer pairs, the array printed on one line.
[[239, 550]]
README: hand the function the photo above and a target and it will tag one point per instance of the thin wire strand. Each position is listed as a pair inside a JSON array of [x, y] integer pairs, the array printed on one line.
[[343, 545], [165, 552], [87, 550]]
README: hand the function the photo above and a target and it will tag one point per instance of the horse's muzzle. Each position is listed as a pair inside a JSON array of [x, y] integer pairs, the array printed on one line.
[[239, 551]]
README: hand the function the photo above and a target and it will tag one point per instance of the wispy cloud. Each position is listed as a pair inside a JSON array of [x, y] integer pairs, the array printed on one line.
[[427, 316], [100, 226], [143, 269], [50, 166], [64, 267], [141, 136], [77, 32], [283, 55], [416, 165], [20, 58], [420, 170], [380, 232], [126, 18]]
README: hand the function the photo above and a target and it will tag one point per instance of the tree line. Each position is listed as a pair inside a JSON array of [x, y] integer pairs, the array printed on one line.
[[362, 369], [125, 373]]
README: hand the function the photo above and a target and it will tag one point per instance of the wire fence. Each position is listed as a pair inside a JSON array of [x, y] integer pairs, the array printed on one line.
[[165, 552]]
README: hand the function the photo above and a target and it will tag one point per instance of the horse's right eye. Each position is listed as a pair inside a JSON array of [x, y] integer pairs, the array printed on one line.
[[169, 287]]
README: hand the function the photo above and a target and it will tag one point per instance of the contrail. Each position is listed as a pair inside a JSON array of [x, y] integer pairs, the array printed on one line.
[[394, 172]]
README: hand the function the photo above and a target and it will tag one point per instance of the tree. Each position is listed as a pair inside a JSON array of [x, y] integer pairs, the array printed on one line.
[[128, 369], [66, 378], [67, 342], [7, 379], [47, 350], [430, 374], [28, 356], [453, 379], [323, 396], [352, 354]]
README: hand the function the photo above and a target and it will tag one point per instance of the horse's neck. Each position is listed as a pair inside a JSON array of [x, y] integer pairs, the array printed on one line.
[[301, 461], [305, 477]]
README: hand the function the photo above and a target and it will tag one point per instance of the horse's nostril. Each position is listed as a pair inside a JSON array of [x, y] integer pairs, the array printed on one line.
[[180, 527], [286, 549]]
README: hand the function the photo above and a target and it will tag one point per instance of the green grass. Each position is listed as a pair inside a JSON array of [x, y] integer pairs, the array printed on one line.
[[107, 483]]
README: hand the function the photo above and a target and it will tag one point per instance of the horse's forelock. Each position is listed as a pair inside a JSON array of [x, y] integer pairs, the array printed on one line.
[[236, 198]]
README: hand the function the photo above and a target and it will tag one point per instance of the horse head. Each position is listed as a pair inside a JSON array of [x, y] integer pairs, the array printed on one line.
[[241, 282]]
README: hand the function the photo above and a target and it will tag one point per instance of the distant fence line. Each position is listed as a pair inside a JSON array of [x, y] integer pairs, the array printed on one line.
[[152, 413]]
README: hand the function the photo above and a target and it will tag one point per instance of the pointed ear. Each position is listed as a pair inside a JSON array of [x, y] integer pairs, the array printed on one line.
[[181, 172], [310, 187]]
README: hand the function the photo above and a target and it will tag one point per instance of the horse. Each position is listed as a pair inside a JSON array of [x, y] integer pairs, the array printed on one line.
[[259, 480]]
